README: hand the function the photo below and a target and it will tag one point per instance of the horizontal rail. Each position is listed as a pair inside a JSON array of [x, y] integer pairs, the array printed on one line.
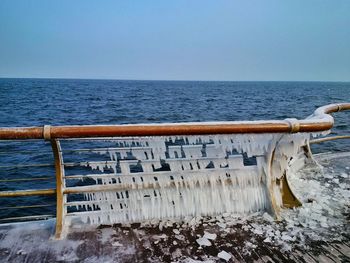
[[319, 121], [142, 174], [27, 165], [131, 186], [110, 187], [27, 217], [332, 138], [27, 192], [28, 179], [24, 152], [106, 149], [93, 176], [18, 141], [26, 206]]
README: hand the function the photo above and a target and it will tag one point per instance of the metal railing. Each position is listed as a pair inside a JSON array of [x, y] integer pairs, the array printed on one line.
[[320, 121], [33, 175]]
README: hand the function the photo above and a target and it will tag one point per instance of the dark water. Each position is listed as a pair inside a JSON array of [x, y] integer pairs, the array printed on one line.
[[27, 102], [38, 102]]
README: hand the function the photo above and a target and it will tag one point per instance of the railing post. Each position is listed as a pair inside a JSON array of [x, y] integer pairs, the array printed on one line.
[[279, 185], [271, 181], [60, 209]]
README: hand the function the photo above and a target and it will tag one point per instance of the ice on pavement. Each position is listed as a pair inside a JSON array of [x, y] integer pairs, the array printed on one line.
[[224, 255], [202, 241]]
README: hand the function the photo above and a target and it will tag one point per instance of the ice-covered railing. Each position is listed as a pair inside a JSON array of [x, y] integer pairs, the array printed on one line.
[[145, 178], [130, 173]]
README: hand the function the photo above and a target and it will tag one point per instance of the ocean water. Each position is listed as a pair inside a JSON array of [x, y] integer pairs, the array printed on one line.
[[31, 102], [38, 102]]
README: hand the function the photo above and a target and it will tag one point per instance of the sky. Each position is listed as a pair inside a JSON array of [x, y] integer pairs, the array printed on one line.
[[294, 40]]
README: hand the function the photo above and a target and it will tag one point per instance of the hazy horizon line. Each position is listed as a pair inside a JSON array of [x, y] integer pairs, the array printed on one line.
[[173, 80]]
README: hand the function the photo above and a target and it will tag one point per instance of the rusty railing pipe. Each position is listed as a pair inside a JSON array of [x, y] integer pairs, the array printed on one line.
[[27, 192], [318, 122]]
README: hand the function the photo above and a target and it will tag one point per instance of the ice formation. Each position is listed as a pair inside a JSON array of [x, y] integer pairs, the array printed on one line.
[[224, 255], [202, 241], [179, 176]]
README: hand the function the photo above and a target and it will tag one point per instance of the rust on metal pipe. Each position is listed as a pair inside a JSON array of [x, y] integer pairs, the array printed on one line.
[[167, 129], [21, 133], [27, 192], [60, 210], [319, 121]]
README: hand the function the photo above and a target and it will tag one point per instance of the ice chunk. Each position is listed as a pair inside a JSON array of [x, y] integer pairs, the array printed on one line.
[[267, 217], [209, 235], [180, 237], [222, 225], [190, 260], [267, 240], [224, 255], [203, 242]]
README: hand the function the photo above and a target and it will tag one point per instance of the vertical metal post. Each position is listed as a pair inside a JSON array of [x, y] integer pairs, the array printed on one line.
[[60, 209], [279, 183], [271, 181]]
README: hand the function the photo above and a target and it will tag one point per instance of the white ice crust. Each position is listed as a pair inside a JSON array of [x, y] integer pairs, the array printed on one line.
[[206, 176]]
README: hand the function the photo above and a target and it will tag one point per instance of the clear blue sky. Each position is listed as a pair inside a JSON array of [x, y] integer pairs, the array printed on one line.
[[181, 39]]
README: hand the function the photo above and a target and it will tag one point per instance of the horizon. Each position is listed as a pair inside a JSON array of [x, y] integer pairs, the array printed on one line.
[[170, 80], [176, 41]]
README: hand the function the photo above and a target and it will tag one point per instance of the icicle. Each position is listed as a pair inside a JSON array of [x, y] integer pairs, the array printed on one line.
[[189, 188]]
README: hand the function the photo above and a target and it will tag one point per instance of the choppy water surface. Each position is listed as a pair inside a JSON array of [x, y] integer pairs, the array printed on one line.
[[38, 102]]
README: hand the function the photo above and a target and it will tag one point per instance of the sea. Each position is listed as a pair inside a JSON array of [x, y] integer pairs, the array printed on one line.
[[38, 102]]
